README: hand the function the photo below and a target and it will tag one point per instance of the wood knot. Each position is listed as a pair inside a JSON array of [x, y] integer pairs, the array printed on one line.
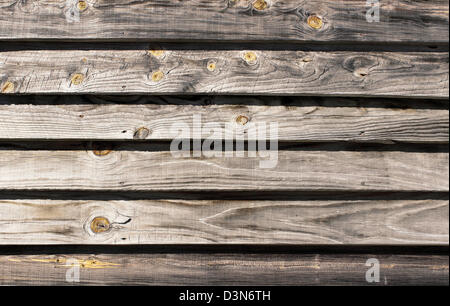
[[157, 76], [82, 5], [101, 149], [250, 57], [361, 72], [8, 87], [100, 225], [315, 22], [242, 120], [77, 79], [260, 5], [157, 53], [211, 66], [141, 133]]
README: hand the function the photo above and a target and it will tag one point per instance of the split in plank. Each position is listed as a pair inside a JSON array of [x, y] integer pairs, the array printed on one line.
[[223, 269], [386, 74], [345, 21], [331, 222], [121, 169], [298, 119]]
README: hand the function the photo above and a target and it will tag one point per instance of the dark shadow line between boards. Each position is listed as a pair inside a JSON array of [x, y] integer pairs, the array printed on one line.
[[223, 45], [401, 103], [165, 146], [200, 195], [6, 250]]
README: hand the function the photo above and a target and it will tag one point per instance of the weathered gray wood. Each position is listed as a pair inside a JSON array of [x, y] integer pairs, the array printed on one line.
[[223, 269], [243, 20], [388, 74], [362, 222], [305, 119], [121, 169]]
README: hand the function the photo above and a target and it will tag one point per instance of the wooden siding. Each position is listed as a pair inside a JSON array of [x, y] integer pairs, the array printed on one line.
[[90, 93]]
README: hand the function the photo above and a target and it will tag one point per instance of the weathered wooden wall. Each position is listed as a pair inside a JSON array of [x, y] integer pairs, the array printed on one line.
[[90, 91]]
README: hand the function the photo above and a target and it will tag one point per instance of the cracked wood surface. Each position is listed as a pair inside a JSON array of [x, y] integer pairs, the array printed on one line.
[[351, 222], [302, 119], [122, 169], [257, 72], [223, 269], [401, 21]]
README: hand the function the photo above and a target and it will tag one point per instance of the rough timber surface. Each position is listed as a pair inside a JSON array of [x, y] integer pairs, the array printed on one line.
[[401, 21], [136, 222], [223, 269], [230, 72], [122, 169], [299, 119]]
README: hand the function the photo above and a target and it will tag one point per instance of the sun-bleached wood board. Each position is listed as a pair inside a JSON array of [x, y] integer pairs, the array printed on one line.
[[362, 222], [232, 20], [387, 74], [223, 269], [122, 169], [308, 121]]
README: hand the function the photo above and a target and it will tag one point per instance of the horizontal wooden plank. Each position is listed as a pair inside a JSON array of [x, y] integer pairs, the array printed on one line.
[[242, 20], [299, 119], [387, 74], [223, 269], [299, 170], [328, 222]]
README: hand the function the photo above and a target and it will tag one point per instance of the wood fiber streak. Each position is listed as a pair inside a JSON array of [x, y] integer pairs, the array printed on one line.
[[230, 20], [362, 222], [387, 74]]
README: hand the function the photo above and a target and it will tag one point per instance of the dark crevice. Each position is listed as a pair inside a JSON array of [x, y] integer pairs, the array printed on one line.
[[221, 195], [223, 249]]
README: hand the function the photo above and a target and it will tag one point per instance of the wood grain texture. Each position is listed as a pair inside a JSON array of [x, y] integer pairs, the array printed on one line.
[[351, 222], [303, 119], [387, 74], [224, 269], [121, 169], [205, 20]]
